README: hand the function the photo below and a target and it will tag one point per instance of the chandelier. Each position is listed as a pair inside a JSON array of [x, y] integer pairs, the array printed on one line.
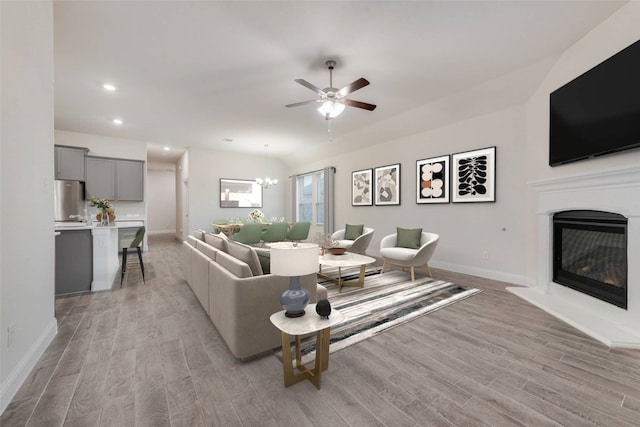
[[266, 182]]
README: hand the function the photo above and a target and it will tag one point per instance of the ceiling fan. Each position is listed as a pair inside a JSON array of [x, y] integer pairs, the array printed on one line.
[[333, 100]]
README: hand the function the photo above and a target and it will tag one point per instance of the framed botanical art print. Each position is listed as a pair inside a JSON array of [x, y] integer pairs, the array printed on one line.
[[362, 188], [387, 185], [432, 180], [474, 176]]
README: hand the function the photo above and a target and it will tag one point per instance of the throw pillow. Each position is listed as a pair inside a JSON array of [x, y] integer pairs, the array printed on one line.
[[216, 241], [352, 232], [245, 254], [408, 238]]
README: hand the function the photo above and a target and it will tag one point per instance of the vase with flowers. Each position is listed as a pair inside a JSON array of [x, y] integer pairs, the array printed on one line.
[[256, 215], [106, 213]]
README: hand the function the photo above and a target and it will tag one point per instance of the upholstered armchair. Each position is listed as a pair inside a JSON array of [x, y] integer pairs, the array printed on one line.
[[358, 245], [403, 257]]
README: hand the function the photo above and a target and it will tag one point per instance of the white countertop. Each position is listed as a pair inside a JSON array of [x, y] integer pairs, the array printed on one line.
[[67, 226]]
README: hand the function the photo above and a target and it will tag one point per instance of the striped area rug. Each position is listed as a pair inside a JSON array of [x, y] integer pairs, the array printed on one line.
[[386, 300]]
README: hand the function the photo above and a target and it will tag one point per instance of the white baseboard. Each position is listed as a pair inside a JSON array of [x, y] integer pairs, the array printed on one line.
[[480, 272], [19, 374]]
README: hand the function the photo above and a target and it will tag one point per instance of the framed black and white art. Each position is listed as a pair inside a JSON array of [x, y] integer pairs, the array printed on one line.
[[387, 185], [474, 176], [362, 188], [432, 180]]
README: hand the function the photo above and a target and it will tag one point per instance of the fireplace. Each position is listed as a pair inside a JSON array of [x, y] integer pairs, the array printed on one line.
[[591, 193], [590, 254]]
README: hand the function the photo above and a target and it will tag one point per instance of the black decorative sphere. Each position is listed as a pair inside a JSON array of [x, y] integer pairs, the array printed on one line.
[[323, 308]]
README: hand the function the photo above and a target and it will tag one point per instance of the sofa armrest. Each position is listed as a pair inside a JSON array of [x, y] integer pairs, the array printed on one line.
[[240, 308]]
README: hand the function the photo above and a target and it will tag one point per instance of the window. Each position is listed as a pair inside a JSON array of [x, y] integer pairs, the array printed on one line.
[[310, 197]]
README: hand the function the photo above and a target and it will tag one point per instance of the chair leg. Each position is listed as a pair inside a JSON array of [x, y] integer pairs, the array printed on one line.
[[141, 263], [413, 277], [124, 265], [384, 264]]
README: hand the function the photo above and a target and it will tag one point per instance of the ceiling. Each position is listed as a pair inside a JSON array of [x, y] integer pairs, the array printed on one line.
[[217, 74]]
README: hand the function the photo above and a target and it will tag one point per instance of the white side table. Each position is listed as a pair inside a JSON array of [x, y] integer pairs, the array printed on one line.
[[296, 326]]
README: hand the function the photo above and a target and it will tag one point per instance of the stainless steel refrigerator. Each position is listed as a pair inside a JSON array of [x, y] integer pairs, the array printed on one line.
[[69, 200]]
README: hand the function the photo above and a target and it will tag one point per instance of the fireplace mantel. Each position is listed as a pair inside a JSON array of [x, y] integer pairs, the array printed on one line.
[[616, 191]]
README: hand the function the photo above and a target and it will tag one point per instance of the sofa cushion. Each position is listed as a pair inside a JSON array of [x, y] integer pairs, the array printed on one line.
[[408, 238], [265, 260], [199, 234], [352, 232], [233, 265], [245, 254], [207, 249], [216, 241]]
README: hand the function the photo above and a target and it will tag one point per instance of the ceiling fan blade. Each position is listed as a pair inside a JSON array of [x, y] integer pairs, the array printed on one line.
[[358, 104], [297, 104], [308, 85], [358, 84]]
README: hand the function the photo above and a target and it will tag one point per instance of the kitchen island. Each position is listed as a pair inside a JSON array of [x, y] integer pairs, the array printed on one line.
[[87, 256]]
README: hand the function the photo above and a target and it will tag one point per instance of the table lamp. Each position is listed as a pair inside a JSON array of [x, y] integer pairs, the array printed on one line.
[[294, 260]]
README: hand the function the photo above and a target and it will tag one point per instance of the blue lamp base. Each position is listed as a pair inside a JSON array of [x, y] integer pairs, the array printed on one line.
[[294, 299]]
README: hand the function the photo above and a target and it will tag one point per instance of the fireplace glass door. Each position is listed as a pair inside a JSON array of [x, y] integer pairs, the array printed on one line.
[[590, 254]]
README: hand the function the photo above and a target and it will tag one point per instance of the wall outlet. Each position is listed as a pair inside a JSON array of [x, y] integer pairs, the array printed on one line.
[[11, 334], [485, 255]]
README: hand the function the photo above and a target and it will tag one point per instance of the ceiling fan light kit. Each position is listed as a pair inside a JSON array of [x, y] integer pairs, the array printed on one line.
[[334, 100]]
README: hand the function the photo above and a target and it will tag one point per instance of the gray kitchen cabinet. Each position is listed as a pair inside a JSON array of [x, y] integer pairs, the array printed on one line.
[[129, 180], [101, 174], [69, 163], [115, 179], [74, 262]]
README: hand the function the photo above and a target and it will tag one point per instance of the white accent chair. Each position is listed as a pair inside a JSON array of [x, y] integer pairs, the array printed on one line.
[[357, 246], [405, 257]]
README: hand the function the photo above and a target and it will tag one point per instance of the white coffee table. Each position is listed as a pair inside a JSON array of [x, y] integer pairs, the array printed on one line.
[[297, 326], [347, 259]]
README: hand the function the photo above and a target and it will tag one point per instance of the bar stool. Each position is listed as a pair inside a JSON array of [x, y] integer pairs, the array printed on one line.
[[128, 243]]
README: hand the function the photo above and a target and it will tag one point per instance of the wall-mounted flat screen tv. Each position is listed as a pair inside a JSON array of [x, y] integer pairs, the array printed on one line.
[[598, 112]]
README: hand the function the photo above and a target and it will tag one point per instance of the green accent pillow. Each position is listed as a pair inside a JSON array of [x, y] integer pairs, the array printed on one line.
[[352, 232], [408, 238]]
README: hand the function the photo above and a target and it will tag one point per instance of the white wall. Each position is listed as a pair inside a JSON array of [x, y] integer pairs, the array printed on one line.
[[161, 198], [467, 230], [617, 32], [205, 170], [26, 191]]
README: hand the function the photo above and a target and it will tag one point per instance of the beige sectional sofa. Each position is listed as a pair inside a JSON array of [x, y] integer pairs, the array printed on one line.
[[227, 279]]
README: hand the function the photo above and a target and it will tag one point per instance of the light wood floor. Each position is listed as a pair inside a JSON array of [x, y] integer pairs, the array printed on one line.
[[146, 355]]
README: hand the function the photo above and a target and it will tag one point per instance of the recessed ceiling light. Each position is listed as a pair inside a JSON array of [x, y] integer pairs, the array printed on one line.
[[166, 148], [117, 121], [109, 87]]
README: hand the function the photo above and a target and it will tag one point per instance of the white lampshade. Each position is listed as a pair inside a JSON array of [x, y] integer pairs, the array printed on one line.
[[332, 107], [289, 259]]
